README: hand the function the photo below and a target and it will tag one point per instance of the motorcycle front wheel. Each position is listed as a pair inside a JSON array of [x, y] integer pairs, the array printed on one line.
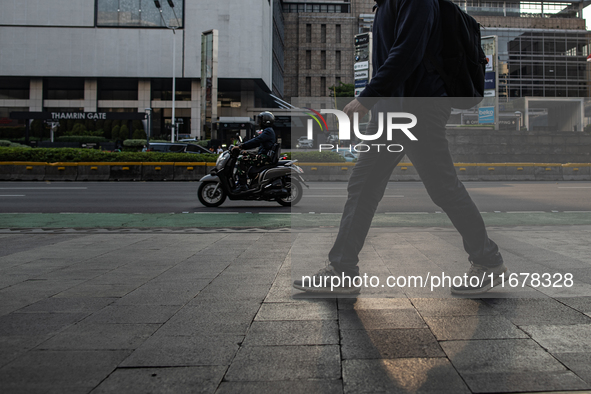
[[209, 196], [296, 192]]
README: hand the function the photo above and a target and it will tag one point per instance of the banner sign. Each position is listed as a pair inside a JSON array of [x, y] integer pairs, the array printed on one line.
[[489, 80], [361, 83], [486, 115], [79, 115]]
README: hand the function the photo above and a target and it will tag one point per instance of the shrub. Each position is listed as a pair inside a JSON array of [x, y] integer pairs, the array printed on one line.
[[115, 133], [124, 132], [139, 134], [16, 145], [12, 132], [316, 157], [203, 143], [72, 155], [136, 142], [80, 138], [5, 143], [78, 129]]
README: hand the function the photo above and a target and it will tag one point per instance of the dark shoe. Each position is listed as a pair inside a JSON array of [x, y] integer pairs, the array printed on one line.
[[240, 189], [485, 279], [327, 280]]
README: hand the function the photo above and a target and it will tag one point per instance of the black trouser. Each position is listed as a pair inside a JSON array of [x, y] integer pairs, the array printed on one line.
[[431, 157]]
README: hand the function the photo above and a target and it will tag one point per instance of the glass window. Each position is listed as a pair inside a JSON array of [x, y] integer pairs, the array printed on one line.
[[14, 88], [117, 89], [162, 89], [140, 13], [63, 88]]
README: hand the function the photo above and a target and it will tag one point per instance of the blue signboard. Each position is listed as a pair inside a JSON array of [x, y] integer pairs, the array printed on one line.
[[489, 80], [486, 115], [360, 83]]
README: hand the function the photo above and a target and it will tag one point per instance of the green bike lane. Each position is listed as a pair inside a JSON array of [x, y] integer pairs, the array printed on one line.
[[274, 220]]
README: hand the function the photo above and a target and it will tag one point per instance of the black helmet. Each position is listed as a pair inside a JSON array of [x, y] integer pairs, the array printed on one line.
[[266, 119]]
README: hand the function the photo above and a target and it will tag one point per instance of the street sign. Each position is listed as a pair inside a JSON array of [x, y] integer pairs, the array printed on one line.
[[489, 80], [361, 66], [358, 91], [360, 83], [362, 74]]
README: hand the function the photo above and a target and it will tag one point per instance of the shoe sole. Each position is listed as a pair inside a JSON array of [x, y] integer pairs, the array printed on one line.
[[498, 280], [353, 290]]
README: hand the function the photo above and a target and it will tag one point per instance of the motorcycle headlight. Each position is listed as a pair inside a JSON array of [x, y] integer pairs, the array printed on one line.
[[221, 159]]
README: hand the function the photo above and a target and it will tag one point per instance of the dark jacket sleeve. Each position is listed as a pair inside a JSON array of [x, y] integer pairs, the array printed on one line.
[[414, 23], [266, 138]]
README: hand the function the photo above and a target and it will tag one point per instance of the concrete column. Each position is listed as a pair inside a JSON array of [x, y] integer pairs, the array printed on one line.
[[90, 95], [144, 94], [36, 95], [246, 102], [196, 126]]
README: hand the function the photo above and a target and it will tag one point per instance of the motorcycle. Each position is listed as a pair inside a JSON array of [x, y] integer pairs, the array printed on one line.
[[279, 181]]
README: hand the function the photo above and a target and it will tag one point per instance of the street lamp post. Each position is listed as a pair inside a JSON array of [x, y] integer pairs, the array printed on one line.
[[149, 133], [173, 28]]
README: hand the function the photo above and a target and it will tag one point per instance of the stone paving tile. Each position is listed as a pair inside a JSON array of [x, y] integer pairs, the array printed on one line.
[[388, 344], [298, 332], [562, 339], [201, 305], [164, 294], [133, 314], [68, 305], [451, 307], [258, 363], [297, 311], [96, 291], [510, 382], [403, 375], [380, 319], [14, 346], [527, 312], [37, 324], [291, 387], [173, 351], [503, 355], [94, 336], [579, 363], [472, 327], [581, 304], [60, 371], [374, 303], [178, 380], [188, 322]]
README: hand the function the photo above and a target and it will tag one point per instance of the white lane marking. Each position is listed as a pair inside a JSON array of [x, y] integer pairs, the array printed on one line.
[[407, 213], [219, 213], [43, 188], [577, 211], [274, 213], [574, 187], [12, 195], [342, 196], [526, 212]]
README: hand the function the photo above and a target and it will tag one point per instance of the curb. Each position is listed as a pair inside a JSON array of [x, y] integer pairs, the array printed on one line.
[[193, 171]]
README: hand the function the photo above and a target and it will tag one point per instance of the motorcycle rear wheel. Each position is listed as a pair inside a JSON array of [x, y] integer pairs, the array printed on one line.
[[210, 197], [296, 192]]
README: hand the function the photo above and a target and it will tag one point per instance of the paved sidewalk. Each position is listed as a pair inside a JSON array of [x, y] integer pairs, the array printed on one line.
[[212, 311]]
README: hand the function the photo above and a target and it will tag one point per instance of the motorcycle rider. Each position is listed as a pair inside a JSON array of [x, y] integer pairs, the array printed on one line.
[[265, 141]]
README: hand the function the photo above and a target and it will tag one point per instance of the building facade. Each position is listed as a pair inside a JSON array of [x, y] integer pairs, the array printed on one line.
[[117, 56], [319, 43], [543, 45]]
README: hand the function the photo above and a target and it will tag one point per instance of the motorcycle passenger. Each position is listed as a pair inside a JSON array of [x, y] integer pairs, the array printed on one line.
[[264, 141]]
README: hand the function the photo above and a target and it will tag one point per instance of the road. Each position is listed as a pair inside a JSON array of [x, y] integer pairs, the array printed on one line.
[[322, 197]]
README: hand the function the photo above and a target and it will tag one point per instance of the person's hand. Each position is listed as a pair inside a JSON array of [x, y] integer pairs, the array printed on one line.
[[353, 107], [235, 147]]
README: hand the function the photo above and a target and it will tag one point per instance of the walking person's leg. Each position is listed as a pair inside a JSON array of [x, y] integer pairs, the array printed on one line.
[[431, 158]]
